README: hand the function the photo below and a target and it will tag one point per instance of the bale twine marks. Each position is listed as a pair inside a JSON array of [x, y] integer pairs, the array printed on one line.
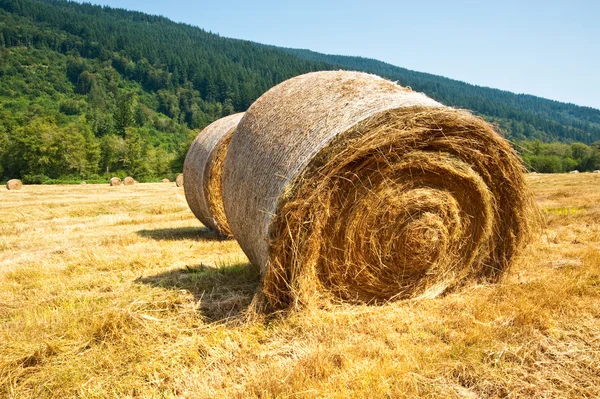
[[14, 184], [114, 181], [202, 171], [179, 180], [345, 186], [128, 181]]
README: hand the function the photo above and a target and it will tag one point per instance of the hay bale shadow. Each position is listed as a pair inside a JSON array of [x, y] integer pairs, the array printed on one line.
[[182, 233], [224, 292]]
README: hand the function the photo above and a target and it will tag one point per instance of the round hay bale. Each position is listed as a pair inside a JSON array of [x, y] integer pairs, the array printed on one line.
[[345, 186], [179, 180], [596, 171], [82, 183], [202, 171], [14, 184], [114, 181], [573, 172], [128, 181], [166, 181]]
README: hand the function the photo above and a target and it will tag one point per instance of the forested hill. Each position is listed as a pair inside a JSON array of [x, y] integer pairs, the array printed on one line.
[[520, 115], [89, 91]]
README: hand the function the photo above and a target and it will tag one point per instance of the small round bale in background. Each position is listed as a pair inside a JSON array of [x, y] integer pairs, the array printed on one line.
[[114, 181], [179, 180], [573, 172], [203, 170], [82, 183], [596, 171], [14, 184], [128, 181], [166, 181], [345, 186]]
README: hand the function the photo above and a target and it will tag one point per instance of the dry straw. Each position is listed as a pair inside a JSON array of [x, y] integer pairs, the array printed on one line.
[[128, 181], [179, 180], [166, 181], [14, 184], [346, 186], [202, 171], [114, 181]]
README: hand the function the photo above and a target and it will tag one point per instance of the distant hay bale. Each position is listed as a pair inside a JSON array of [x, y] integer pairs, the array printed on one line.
[[128, 181], [574, 172], [345, 186], [166, 181], [82, 183], [596, 171], [14, 184], [114, 181], [179, 180], [202, 171]]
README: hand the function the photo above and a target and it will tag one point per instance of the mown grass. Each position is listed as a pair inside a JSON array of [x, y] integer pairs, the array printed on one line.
[[120, 292]]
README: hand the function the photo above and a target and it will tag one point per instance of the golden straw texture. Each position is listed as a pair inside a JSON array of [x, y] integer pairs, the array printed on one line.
[[343, 185], [128, 181], [179, 180], [202, 172], [14, 184]]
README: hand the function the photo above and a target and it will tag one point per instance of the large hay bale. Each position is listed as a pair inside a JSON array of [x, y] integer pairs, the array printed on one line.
[[128, 181], [114, 181], [14, 184], [179, 180], [345, 186], [202, 171]]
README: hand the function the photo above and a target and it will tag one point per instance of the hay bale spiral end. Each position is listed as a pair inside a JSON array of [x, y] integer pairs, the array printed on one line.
[[345, 186]]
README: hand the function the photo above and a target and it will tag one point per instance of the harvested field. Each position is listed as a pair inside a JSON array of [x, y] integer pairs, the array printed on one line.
[[122, 293]]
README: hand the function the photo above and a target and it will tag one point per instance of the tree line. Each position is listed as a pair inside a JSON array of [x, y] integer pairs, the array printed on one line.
[[559, 157]]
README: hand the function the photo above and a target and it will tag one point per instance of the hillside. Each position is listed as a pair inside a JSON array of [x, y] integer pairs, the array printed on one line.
[[89, 91], [521, 115]]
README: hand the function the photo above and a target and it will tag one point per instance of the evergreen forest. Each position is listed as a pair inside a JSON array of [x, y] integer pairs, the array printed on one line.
[[89, 92]]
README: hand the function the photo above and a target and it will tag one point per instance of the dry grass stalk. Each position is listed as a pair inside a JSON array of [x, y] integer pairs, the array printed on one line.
[[343, 185], [114, 181], [14, 184], [106, 294], [128, 181], [179, 180], [202, 173]]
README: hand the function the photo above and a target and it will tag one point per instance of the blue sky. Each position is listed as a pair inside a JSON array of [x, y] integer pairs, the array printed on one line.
[[546, 48]]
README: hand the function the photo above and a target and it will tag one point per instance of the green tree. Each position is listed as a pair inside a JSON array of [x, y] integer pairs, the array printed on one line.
[[113, 150], [580, 151], [136, 153], [123, 115]]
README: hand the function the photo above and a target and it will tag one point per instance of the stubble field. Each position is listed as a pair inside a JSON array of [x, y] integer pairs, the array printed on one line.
[[121, 292]]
